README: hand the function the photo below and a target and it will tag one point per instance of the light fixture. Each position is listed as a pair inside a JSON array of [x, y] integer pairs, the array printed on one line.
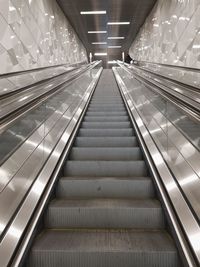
[[116, 38], [114, 46], [97, 12], [99, 43], [100, 54], [119, 23], [97, 31], [112, 62]]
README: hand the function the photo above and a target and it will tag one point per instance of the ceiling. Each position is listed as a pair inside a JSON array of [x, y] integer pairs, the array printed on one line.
[[134, 11]]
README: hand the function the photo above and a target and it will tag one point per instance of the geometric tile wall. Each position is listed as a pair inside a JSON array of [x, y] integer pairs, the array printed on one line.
[[36, 33], [170, 34]]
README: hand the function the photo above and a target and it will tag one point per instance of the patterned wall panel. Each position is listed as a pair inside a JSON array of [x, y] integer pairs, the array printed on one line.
[[170, 34], [36, 33]]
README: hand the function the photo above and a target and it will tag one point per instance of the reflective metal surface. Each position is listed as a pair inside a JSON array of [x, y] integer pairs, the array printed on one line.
[[187, 94], [22, 98], [185, 75], [13, 82], [20, 171], [175, 158]]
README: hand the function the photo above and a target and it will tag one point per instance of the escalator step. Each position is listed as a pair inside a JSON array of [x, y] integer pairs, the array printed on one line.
[[106, 119], [106, 141], [105, 213], [106, 168], [103, 153], [106, 113], [102, 109], [105, 132], [116, 187], [100, 248], [105, 105], [106, 125]]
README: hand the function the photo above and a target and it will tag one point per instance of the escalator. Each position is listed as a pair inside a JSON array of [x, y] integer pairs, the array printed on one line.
[[106, 211]]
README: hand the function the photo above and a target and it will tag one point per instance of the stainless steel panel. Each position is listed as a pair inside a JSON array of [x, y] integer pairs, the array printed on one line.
[[32, 155], [141, 109]]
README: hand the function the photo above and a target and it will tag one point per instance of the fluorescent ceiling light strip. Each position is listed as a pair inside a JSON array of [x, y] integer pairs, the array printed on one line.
[[99, 43], [114, 46], [100, 54], [96, 12], [112, 62], [115, 38], [119, 23], [97, 31]]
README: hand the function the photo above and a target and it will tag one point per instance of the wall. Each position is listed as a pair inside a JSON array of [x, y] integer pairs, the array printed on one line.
[[171, 34], [35, 33]]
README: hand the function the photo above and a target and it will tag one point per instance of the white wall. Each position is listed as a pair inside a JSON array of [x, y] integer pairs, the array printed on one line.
[[35, 33], [171, 34]]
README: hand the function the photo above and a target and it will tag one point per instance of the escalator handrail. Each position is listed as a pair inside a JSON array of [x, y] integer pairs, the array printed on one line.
[[189, 106], [138, 63], [167, 74], [178, 208], [21, 219], [18, 109]]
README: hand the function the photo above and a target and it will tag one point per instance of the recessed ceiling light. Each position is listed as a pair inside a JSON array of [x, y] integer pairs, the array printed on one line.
[[97, 31], [114, 46], [99, 43], [115, 38], [119, 23], [112, 62], [100, 54], [97, 12]]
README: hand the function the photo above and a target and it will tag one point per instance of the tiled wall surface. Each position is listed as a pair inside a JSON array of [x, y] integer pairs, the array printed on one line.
[[35, 33], [171, 34]]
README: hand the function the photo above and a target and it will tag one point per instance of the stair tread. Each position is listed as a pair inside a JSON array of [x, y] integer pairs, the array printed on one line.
[[106, 168], [103, 141], [142, 240], [105, 153], [106, 203], [105, 178]]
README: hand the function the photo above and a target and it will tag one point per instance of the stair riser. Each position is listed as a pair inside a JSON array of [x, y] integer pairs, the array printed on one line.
[[106, 125], [106, 154], [107, 187], [105, 132], [102, 259], [126, 217], [106, 119], [106, 142], [106, 109], [106, 169]]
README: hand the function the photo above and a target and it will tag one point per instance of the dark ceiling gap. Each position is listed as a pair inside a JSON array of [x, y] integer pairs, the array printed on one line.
[[134, 11]]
